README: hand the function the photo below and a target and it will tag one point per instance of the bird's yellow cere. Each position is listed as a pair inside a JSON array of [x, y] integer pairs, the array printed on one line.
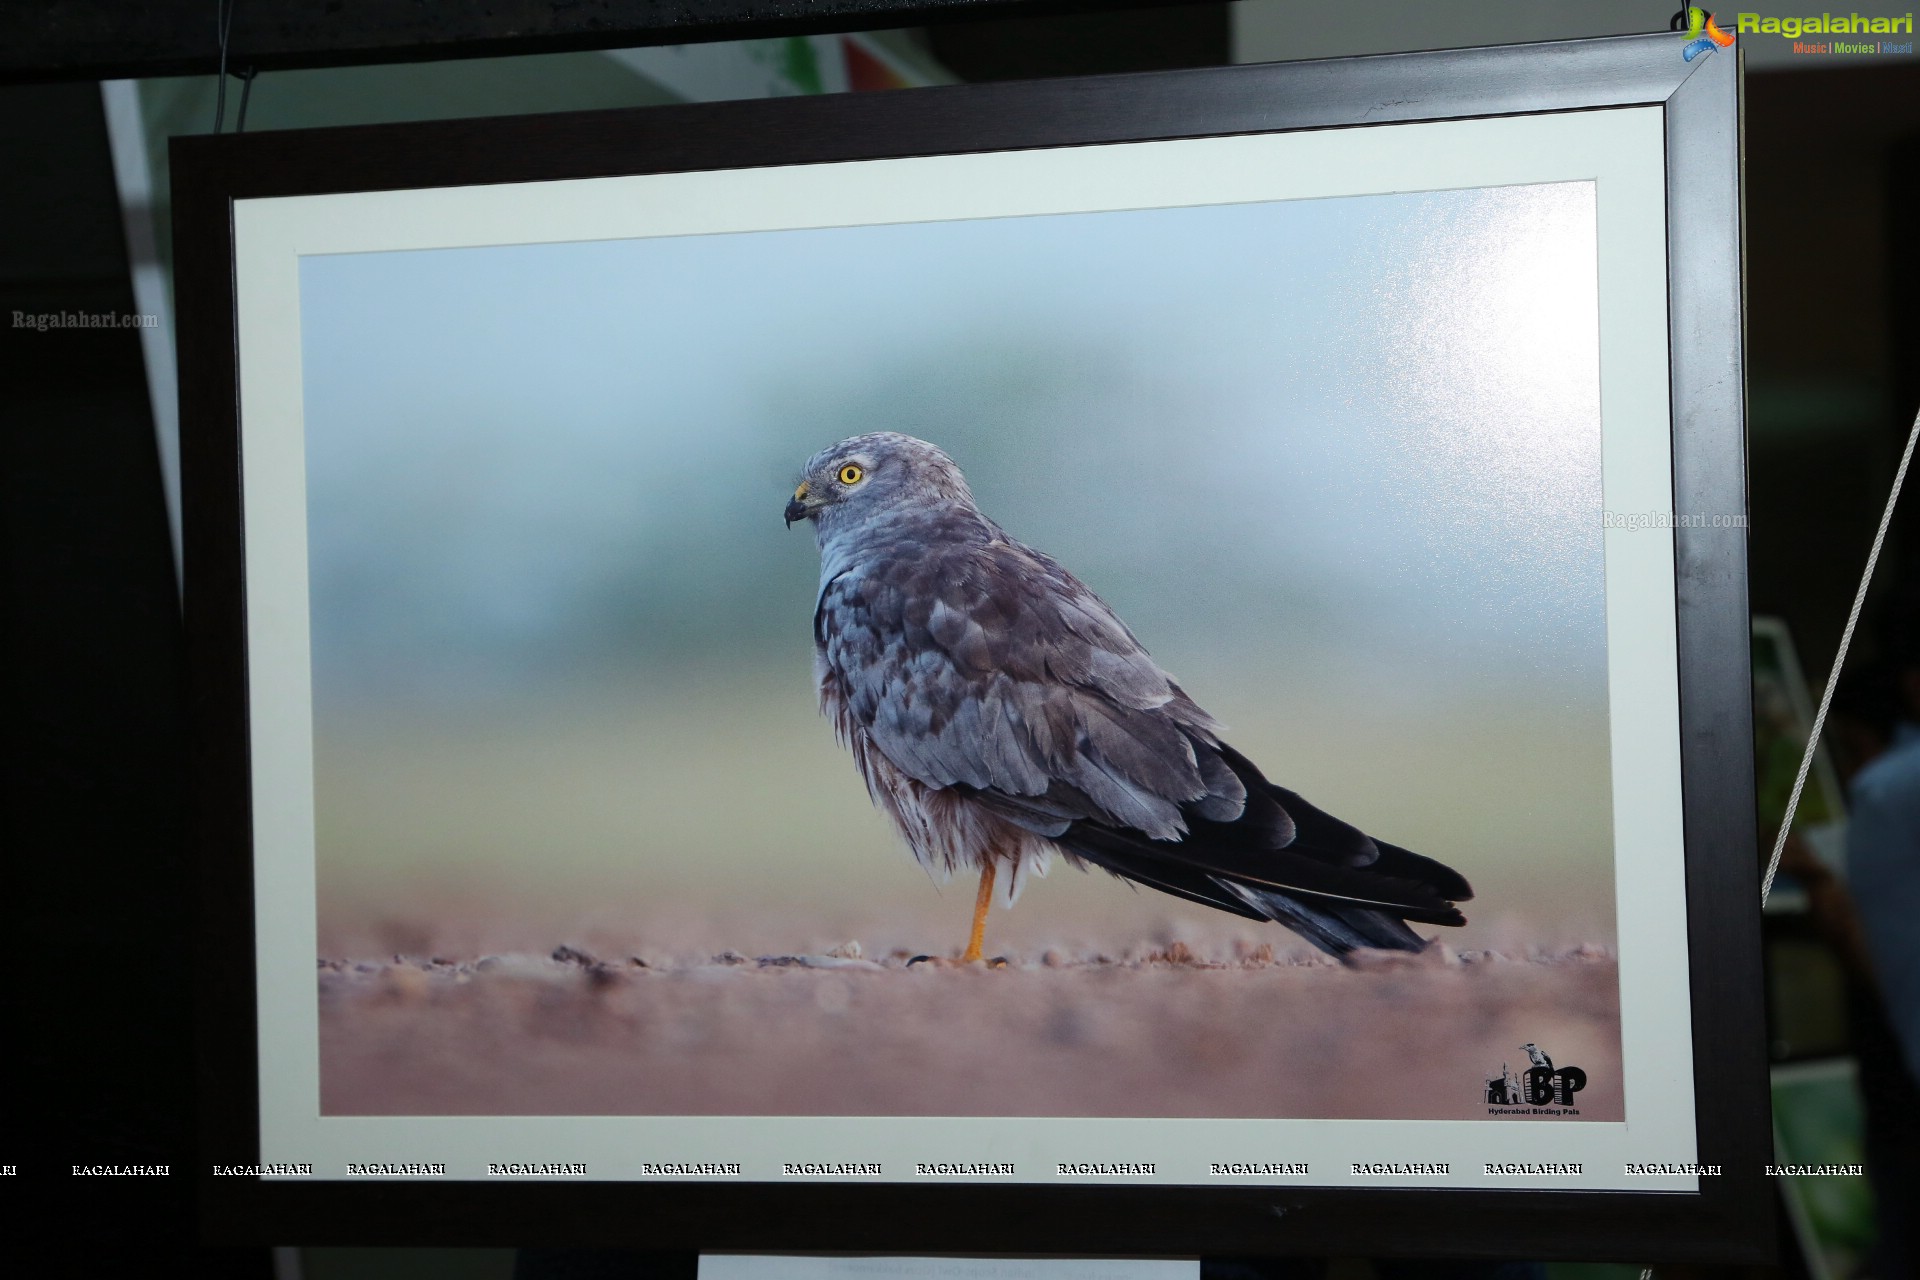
[[800, 494], [851, 474]]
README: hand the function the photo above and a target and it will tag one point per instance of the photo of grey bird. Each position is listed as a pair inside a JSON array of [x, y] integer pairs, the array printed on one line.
[[1000, 712], [1537, 1055]]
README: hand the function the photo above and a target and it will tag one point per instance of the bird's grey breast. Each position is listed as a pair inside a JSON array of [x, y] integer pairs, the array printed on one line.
[[911, 663]]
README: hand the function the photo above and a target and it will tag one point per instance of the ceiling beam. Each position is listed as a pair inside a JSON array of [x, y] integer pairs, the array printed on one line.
[[110, 39]]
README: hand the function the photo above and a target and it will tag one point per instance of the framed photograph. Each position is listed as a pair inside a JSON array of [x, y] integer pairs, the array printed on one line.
[[1300, 506]]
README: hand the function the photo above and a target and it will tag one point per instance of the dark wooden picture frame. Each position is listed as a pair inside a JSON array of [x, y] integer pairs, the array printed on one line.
[[1728, 1218]]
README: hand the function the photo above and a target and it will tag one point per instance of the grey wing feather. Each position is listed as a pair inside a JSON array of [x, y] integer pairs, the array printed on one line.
[[983, 664]]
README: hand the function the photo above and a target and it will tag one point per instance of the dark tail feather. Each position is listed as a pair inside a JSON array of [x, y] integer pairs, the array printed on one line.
[[1285, 860], [1337, 930]]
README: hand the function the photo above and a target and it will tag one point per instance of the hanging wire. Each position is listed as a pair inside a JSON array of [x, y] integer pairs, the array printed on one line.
[[223, 17], [1833, 676], [246, 91]]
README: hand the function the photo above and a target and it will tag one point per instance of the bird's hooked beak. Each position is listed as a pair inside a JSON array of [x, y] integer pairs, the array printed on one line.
[[800, 508]]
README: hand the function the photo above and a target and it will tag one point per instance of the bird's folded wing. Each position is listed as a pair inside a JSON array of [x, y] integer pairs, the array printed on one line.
[[1407, 865], [988, 666], [1325, 857]]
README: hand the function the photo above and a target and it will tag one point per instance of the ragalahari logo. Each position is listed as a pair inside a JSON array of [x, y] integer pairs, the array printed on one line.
[[1837, 27], [1703, 34]]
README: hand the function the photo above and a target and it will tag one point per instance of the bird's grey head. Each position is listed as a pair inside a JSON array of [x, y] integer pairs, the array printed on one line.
[[864, 478]]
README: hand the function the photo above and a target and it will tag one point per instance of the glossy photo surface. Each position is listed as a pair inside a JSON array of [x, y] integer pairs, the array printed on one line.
[[584, 844]]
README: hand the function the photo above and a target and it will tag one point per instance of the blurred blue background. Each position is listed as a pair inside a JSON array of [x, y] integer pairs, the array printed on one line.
[[1336, 462]]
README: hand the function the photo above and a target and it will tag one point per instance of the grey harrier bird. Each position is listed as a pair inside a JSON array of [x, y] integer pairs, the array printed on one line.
[[999, 712]]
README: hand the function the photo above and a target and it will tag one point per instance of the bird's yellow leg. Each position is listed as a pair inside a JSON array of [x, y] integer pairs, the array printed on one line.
[[980, 905]]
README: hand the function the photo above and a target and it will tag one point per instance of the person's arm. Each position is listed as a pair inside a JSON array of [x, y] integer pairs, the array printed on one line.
[[1829, 906], [1883, 872]]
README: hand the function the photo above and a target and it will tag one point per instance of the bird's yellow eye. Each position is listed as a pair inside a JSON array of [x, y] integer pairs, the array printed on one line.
[[851, 474]]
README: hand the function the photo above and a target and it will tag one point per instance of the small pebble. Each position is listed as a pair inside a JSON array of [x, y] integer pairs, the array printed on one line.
[[405, 983]]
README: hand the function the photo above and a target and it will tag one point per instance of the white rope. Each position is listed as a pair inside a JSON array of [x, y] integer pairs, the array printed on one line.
[[1833, 675]]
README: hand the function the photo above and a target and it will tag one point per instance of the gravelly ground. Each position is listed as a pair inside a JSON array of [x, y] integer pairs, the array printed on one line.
[[1158, 1032]]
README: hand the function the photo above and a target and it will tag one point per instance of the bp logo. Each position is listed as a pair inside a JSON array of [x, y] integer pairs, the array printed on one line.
[[1541, 1087]]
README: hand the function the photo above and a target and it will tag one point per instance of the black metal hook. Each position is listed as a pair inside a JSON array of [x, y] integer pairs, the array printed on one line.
[[246, 91]]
